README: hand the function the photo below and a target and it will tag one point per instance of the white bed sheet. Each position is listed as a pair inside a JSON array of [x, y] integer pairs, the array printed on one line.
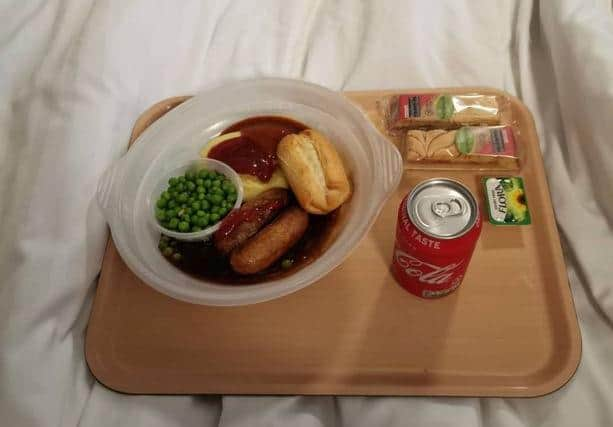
[[75, 74]]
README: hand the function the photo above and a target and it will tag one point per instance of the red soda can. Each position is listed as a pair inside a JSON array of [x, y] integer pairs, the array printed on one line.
[[437, 230]]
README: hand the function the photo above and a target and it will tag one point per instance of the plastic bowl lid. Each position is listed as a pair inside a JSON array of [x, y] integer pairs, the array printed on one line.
[[125, 191]]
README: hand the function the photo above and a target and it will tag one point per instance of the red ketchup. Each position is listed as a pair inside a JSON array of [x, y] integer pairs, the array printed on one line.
[[245, 156], [254, 152]]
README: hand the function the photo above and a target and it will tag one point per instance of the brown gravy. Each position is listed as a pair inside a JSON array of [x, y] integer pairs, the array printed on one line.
[[203, 261], [254, 152]]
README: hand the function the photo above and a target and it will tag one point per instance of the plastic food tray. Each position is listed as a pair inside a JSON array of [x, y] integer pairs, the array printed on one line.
[[509, 330]]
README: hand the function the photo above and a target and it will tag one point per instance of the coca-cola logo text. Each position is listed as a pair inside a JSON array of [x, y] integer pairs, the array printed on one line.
[[426, 272]]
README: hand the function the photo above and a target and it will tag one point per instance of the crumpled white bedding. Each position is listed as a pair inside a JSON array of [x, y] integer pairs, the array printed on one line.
[[75, 74]]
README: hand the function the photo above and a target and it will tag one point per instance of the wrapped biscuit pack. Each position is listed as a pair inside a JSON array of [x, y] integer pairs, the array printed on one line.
[[469, 144], [446, 111]]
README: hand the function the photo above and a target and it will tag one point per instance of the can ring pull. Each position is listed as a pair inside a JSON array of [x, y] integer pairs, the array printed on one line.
[[445, 208]]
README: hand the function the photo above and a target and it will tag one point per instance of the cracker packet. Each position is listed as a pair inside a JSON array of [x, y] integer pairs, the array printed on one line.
[[480, 145], [441, 110]]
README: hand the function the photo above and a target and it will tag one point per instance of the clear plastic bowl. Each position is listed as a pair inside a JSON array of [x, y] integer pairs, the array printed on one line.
[[374, 163], [180, 169]]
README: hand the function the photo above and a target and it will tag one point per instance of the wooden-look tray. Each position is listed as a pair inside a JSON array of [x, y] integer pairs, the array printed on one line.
[[509, 330]]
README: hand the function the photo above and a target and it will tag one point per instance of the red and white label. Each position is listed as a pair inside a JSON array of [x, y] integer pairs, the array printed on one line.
[[426, 272]]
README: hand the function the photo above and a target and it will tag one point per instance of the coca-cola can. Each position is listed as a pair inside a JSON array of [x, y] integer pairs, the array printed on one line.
[[437, 230]]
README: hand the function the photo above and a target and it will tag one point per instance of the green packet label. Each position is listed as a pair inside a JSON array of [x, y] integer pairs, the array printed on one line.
[[506, 201], [444, 107]]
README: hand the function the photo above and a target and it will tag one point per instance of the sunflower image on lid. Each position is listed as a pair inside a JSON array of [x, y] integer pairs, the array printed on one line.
[[506, 201]]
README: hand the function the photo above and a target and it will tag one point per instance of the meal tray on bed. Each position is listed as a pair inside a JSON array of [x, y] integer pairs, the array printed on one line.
[[509, 330]]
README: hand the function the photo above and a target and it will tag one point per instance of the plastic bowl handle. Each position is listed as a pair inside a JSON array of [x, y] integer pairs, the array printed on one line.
[[388, 162], [106, 196]]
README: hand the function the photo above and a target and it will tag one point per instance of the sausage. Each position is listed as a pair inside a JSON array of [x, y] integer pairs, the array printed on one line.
[[246, 221], [267, 246]]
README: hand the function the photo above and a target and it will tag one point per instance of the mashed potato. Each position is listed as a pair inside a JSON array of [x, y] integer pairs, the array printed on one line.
[[252, 186]]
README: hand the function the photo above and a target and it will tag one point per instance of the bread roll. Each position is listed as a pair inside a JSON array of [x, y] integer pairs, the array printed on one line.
[[314, 170]]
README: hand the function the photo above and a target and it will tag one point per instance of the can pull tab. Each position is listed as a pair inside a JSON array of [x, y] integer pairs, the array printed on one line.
[[445, 208]]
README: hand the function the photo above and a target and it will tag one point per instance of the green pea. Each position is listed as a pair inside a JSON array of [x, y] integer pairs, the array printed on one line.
[[177, 256], [200, 189], [196, 205], [172, 181], [160, 214], [201, 196], [205, 205], [188, 211], [216, 199], [165, 195], [190, 186], [172, 204], [180, 179], [182, 197], [194, 219], [215, 209], [214, 218], [195, 228], [191, 200], [181, 187], [167, 252], [202, 222], [183, 226], [231, 198], [199, 181], [216, 183], [173, 223], [161, 203]]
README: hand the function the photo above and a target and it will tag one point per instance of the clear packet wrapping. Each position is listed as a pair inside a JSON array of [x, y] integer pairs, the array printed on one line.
[[479, 145], [443, 110]]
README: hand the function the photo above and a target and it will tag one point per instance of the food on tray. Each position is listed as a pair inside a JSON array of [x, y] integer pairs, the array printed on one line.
[[437, 229], [431, 110], [271, 242], [298, 189], [469, 144], [246, 221], [168, 248], [314, 170], [506, 201], [252, 186], [195, 200], [250, 148]]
